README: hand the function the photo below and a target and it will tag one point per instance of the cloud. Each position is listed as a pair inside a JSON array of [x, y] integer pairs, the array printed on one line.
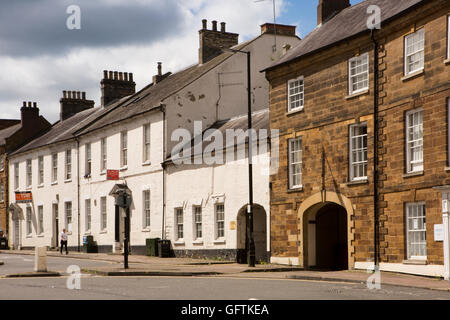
[[39, 58]]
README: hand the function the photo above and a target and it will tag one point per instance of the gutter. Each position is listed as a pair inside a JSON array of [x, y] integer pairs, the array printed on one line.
[[375, 151]]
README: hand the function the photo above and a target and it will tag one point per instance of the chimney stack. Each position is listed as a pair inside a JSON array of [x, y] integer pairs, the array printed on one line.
[[213, 41], [159, 77], [116, 85], [73, 102], [329, 8], [279, 29], [30, 118]]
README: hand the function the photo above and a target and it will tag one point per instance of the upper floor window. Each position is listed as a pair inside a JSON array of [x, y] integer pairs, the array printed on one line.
[[87, 208], [123, 148], [41, 170], [29, 173], [54, 167], [88, 159], [296, 94], [416, 231], [414, 141], [68, 211], [414, 51], [2, 193], [2, 163], [146, 204], [146, 146], [16, 176], [103, 213], [68, 164], [358, 152], [103, 157], [295, 163], [179, 223], [358, 73]]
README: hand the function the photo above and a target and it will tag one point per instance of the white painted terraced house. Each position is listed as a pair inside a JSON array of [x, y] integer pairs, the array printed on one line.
[[131, 132]]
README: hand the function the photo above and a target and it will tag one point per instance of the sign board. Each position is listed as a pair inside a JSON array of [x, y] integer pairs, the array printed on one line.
[[232, 225], [24, 197], [438, 232], [112, 175], [445, 206]]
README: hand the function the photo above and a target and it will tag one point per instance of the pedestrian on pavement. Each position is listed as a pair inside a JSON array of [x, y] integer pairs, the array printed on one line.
[[64, 241]]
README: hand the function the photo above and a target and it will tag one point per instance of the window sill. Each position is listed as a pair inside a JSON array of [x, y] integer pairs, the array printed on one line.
[[220, 241], [447, 169], [299, 189], [103, 232], [413, 174], [357, 94], [357, 182], [447, 62], [179, 243], [40, 186], [197, 242], [123, 168], [146, 163], [145, 230], [40, 235], [54, 183], [28, 236], [289, 113], [68, 180], [87, 233], [413, 75], [103, 173], [415, 262], [28, 188]]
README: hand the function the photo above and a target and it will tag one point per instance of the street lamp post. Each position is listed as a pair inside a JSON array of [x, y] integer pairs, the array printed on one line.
[[251, 241]]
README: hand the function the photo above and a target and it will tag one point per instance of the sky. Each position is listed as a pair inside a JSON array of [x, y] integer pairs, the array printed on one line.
[[40, 56]]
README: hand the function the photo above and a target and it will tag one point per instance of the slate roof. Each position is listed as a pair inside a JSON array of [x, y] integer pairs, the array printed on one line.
[[6, 133], [61, 131], [260, 120], [346, 24]]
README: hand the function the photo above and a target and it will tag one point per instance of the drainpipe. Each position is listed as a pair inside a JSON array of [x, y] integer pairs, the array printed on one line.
[[163, 165], [375, 149], [78, 190]]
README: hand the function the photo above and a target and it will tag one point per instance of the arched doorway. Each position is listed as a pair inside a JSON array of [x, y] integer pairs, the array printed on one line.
[[327, 230], [259, 234], [331, 238]]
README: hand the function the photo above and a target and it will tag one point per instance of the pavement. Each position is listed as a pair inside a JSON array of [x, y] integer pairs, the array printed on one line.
[[182, 267]]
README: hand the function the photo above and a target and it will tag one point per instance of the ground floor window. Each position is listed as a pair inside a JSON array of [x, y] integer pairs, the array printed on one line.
[[68, 209], [41, 219], [220, 220], [103, 213], [179, 222], [28, 217], [146, 204], [198, 222], [416, 231], [88, 214]]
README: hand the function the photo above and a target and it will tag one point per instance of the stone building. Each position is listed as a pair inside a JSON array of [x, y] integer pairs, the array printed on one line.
[[13, 134], [327, 200]]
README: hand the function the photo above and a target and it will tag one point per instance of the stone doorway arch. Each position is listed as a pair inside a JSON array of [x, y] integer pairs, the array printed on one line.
[[319, 203]]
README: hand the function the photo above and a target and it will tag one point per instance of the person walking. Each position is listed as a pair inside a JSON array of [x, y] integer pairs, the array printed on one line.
[[63, 241]]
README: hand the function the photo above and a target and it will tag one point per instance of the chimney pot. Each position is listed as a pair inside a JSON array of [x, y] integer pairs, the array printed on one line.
[[34, 105], [74, 94], [125, 76], [214, 25], [24, 104], [121, 76], [105, 74], [159, 68], [130, 76], [222, 27], [29, 104], [78, 95], [204, 24], [111, 77], [116, 75], [83, 94], [64, 94]]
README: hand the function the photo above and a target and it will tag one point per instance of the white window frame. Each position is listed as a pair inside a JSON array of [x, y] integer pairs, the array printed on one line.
[[40, 219], [104, 154], [146, 208], [123, 149], [292, 164], [361, 61], [146, 135], [448, 37], [354, 149], [88, 159], [219, 223], [300, 94], [67, 215], [29, 217], [16, 176], [41, 170], [29, 169], [88, 214], [2, 193], [68, 164], [179, 224], [198, 223], [103, 214], [54, 167], [422, 51], [421, 214], [409, 162], [448, 131], [2, 162]]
